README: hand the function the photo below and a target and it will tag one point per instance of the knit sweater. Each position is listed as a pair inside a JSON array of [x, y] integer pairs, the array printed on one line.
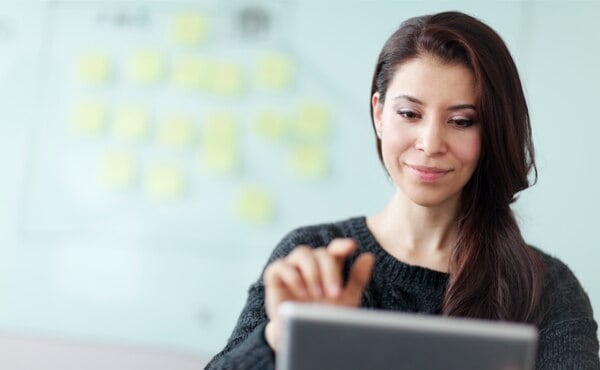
[[567, 335]]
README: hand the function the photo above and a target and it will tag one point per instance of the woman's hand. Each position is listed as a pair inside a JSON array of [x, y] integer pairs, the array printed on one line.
[[314, 275]]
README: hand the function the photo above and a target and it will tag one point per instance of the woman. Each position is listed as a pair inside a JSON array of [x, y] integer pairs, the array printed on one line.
[[452, 130]]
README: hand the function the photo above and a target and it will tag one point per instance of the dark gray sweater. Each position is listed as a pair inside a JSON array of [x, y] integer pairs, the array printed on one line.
[[568, 338]]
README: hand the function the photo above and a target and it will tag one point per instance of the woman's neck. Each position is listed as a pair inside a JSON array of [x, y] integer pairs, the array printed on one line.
[[416, 234]]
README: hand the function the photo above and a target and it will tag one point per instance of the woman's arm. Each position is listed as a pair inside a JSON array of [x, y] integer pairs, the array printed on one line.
[[247, 347], [306, 266], [568, 333]]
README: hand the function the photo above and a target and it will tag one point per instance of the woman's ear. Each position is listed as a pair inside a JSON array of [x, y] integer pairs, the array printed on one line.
[[377, 106]]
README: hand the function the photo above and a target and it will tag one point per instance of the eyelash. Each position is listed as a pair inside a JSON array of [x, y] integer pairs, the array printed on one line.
[[463, 122], [406, 113], [460, 122]]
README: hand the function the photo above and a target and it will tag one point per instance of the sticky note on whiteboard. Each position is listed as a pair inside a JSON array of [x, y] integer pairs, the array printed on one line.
[[270, 123], [146, 67], [192, 73], [220, 159], [189, 28], [219, 152], [164, 181], [176, 131], [309, 161], [313, 121], [274, 72], [118, 170], [219, 127], [94, 68], [89, 117], [131, 123], [228, 79], [255, 205]]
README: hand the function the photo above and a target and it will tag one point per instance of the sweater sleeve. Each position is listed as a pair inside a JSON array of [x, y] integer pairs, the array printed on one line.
[[568, 333], [247, 347]]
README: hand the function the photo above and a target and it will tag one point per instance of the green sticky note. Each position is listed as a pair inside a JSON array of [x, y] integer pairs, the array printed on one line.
[[146, 67], [164, 181], [270, 123], [228, 79], [118, 170], [309, 161], [189, 28], [313, 121], [176, 131], [274, 72], [255, 205], [131, 123], [94, 68], [89, 117], [193, 73]]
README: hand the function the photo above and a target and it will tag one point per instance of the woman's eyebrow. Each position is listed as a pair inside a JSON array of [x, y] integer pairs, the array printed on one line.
[[450, 108], [409, 98], [462, 106]]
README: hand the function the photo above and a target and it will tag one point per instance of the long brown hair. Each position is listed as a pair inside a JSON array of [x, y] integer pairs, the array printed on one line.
[[494, 274]]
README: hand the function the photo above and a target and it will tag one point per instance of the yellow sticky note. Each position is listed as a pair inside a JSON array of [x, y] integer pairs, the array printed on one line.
[[189, 28], [309, 161], [89, 117], [176, 131], [146, 67], [220, 159], [255, 205], [193, 73], [94, 68], [118, 170], [270, 123], [313, 121], [131, 123], [220, 128], [219, 144], [164, 181], [228, 79], [274, 72]]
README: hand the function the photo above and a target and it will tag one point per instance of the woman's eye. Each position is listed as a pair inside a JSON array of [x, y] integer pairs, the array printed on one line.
[[462, 122], [408, 114]]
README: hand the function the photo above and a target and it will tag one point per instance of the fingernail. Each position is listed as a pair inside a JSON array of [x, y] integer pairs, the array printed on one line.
[[319, 291], [304, 293], [334, 290]]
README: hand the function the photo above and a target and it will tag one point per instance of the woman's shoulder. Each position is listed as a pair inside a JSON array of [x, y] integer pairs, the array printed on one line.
[[556, 272], [564, 297]]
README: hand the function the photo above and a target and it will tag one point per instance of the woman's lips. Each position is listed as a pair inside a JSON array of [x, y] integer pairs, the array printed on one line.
[[428, 174]]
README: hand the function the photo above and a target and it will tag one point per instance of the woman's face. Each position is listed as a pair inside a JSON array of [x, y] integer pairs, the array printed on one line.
[[429, 130]]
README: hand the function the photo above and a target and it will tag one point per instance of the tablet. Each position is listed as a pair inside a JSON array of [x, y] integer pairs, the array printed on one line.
[[331, 337]]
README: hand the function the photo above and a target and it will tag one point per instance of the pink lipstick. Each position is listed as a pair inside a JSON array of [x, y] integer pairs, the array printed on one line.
[[428, 174]]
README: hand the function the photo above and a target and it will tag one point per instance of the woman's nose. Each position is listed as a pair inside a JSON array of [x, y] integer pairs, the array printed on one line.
[[431, 139]]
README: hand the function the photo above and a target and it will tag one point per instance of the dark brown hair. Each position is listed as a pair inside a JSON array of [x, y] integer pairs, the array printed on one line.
[[494, 274]]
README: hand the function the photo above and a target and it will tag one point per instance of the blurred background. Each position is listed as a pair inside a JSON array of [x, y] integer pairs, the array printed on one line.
[[153, 153]]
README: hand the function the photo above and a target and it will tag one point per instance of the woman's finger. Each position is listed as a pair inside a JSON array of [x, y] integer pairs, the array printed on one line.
[[342, 247], [285, 276], [303, 257], [360, 274], [331, 272]]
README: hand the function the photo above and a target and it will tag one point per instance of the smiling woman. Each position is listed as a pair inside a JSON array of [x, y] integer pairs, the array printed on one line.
[[432, 136], [453, 132]]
